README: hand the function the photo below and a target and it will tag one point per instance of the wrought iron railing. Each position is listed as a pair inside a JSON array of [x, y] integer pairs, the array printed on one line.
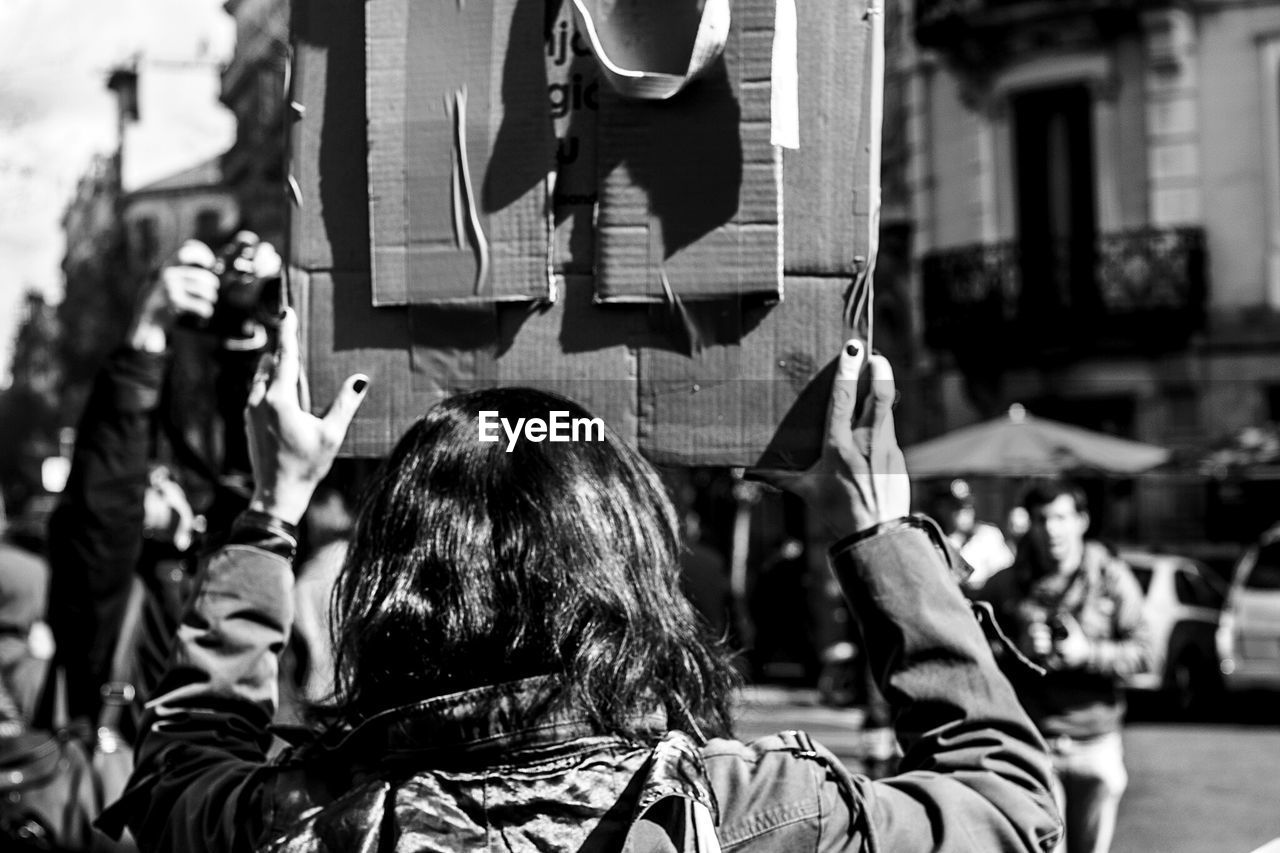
[[1137, 289], [1151, 269]]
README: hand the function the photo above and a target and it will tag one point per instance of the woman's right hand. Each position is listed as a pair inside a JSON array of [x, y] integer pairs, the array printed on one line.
[[291, 450], [860, 480]]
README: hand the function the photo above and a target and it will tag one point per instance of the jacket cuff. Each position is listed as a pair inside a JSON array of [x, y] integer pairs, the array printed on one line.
[[956, 564], [265, 531]]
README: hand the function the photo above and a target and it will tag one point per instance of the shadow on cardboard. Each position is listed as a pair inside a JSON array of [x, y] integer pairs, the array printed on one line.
[[684, 153], [524, 147], [797, 442], [339, 28]]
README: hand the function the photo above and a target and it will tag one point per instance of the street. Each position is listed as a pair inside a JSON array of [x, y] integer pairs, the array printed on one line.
[[1193, 788]]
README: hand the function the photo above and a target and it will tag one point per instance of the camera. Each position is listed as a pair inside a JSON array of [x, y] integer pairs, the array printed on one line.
[[1043, 629], [250, 288]]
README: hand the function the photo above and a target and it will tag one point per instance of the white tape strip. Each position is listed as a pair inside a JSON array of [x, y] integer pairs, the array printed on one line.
[[785, 83], [633, 40]]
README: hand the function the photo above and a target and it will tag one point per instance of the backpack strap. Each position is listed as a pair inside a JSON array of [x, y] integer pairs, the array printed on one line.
[[799, 744]]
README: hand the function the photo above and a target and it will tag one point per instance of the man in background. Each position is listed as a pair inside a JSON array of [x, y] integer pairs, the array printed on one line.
[[1075, 610]]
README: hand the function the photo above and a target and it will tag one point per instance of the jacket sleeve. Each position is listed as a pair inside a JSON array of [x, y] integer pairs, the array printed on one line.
[[95, 534], [200, 764], [975, 775], [1128, 651]]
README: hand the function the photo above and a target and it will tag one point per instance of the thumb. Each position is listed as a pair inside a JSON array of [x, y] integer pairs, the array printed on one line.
[[338, 419]]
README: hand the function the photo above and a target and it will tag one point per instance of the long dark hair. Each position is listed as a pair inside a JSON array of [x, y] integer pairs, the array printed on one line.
[[472, 565]]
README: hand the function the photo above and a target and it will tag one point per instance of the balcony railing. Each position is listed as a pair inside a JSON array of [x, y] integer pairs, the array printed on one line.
[[1141, 290]]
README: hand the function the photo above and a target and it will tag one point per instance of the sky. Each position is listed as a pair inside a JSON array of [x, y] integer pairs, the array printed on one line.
[[56, 114]]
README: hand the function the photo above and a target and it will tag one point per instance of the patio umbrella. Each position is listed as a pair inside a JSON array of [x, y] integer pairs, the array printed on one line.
[[1019, 445]]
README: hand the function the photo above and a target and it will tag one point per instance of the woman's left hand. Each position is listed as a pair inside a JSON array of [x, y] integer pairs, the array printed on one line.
[[291, 449], [860, 480]]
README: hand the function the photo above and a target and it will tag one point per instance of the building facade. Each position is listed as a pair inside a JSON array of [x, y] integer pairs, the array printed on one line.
[[1096, 209], [253, 87], [161, 216]]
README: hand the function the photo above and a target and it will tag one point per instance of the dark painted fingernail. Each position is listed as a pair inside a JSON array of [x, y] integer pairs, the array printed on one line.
[[360, 384], [853, 348]]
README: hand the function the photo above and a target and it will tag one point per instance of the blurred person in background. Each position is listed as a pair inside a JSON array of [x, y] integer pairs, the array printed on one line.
[[519, 670], [704, 577], [327, 531], [25, 644], [122, 518], [981, 545], [1016, 525], [784, 648], [1075, 610]]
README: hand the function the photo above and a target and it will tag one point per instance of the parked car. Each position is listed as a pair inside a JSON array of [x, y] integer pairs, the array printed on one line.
[[1182, 608], [1249, 633]]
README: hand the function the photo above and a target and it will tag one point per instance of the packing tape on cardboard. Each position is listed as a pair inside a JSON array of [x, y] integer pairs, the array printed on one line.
[[643, 47], [784, 92]]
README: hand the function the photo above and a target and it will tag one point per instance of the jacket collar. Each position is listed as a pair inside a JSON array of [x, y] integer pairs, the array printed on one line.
[[480, 725], [506, 723]]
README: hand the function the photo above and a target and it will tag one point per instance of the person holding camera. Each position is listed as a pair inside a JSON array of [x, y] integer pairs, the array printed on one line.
[[1075, 610], [123, 516], [517, 668]]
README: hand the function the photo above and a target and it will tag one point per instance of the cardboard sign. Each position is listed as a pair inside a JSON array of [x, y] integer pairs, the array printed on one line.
[[730, 380]]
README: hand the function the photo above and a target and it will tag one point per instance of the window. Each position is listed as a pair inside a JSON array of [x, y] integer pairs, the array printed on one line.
[[147, 243], [1273, 403], [209, 227], [1053, 153], [1266, 571], [1194, 591]]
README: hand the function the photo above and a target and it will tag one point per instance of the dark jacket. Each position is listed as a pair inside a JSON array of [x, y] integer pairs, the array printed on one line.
[[95, 535], [439, 775], [96, 543], [1103, 596]]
